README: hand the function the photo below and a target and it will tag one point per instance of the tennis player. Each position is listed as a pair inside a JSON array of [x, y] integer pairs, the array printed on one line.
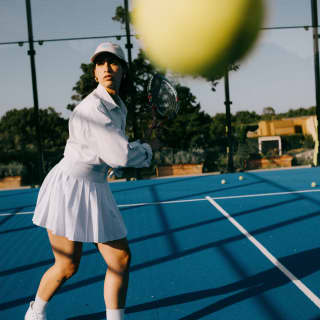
[[75, 203]]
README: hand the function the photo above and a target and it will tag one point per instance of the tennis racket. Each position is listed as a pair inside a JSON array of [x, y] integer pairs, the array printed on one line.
[[163, 100]]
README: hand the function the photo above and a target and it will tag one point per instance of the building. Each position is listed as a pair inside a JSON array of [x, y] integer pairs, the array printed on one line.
[[306, 125], [269, 132]]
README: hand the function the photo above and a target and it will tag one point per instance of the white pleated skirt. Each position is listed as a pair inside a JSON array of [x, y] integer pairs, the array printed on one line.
[[75, 201]]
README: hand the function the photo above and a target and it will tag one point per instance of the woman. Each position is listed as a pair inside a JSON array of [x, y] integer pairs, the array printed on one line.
[[75, 203]]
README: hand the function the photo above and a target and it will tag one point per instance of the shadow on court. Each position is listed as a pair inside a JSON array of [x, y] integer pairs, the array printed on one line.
[[250, 286], [300, 264]]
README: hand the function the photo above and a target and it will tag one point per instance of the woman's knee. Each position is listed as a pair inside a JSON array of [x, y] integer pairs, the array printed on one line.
[[121, 262], [125, 259], [117, 254], [67, 269]]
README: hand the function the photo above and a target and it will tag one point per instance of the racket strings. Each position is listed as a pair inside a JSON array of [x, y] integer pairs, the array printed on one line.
[[167, 99], [163, 96]]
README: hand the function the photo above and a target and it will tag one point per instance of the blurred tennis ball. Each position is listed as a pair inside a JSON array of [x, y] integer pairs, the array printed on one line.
[[313, 184], [223, 181], [197, 37]]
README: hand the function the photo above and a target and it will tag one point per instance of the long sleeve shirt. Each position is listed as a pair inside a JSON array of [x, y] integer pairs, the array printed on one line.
[[97, 134]]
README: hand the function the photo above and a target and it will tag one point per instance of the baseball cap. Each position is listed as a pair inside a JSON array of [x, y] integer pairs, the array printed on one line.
[[111, 48]]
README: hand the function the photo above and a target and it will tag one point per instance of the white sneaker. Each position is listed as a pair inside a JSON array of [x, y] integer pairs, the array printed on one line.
[[32, 315]]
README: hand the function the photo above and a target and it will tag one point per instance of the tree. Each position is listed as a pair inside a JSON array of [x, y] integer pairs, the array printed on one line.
[[17, 130], [268, 113], [120, 15], [190, 128], [84, 85], [246, 117], [18, 143], [214, 80]]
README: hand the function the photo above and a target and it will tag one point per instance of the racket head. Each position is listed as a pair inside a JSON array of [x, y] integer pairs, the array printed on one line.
[[163, 97]]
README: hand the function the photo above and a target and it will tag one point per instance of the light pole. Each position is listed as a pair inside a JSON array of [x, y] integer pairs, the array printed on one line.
[[129, 44], [31, 53], [314, 12], [130, 72], [228, 122]]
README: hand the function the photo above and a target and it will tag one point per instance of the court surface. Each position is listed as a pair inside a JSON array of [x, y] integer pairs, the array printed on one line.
[[246, 249]]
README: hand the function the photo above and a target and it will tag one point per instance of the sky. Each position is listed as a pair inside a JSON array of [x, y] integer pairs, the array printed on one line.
[[279, 72]]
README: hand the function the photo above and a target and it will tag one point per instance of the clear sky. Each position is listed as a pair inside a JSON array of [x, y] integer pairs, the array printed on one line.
[[278, 73]]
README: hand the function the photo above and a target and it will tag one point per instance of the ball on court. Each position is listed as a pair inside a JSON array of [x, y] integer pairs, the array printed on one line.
[[223, 181], [197, 37], [313, 184], [240, 178]]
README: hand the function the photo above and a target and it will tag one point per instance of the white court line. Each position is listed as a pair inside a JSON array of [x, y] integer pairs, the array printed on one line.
[[15, 214], [301, 286], [266, 194], [192, 200], [219, 198], [156, 203]]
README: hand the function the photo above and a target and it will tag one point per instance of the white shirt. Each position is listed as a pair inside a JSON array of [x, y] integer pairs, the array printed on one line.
[[97, 134]]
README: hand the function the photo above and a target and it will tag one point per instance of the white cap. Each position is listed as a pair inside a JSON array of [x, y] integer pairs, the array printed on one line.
[[111, 48]]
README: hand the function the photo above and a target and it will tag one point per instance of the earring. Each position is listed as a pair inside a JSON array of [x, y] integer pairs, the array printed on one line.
[[95, 78]]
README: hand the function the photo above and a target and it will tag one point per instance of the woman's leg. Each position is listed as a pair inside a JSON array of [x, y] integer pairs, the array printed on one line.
[[67, 256], [117, 256]]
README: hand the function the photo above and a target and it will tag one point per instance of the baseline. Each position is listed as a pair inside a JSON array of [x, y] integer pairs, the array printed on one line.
[[298, 283]]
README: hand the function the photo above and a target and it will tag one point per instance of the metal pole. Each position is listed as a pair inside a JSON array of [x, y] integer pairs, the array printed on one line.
[[128, 45], [32, 53], [314, 9], [228, 120], [131, 75]]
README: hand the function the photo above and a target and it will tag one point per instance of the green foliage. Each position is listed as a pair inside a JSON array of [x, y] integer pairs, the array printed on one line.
[[85, 85], [18, 130], [18, 141], [169, 156], [292, 142], [300, 112], [308, 142], [11, 169], [268, 112], [214, 80], [120, 15]]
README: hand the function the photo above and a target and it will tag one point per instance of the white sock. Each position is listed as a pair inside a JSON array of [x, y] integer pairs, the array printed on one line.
[[115, 314], [39, 305]]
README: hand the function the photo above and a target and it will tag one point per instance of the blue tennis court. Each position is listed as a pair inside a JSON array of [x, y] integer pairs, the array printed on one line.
[[247, 249]]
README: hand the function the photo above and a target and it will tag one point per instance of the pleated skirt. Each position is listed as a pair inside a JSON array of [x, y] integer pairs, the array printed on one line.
[[75, 201]]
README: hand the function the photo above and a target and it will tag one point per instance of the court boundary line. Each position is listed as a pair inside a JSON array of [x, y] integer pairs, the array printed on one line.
[[188, 200], [298, 283]]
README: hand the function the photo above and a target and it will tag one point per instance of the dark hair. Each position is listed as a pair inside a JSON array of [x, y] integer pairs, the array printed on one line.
[[126, 84]]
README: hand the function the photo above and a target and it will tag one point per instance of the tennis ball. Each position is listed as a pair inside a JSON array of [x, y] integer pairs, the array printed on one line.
[[313, 184], [240, 178], [197, 37], [223, 181]]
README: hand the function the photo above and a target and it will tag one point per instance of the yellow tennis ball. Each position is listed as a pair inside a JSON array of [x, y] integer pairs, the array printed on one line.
[[197, 37]]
